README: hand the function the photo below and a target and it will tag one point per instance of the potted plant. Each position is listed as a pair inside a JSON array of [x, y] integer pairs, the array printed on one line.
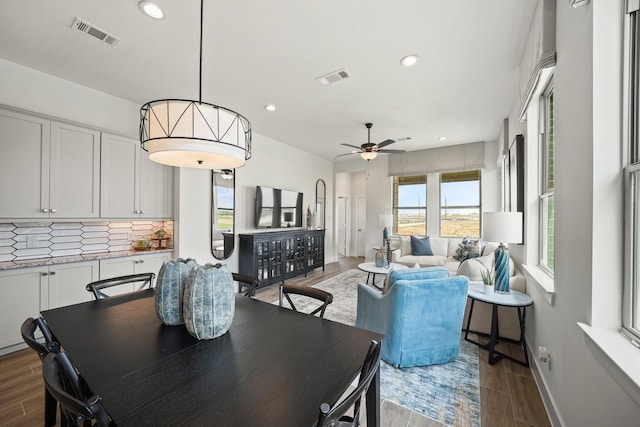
[[487, 279]]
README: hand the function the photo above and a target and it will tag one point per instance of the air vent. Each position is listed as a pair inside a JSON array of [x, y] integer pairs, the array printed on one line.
[[336, 76], [101, 35]]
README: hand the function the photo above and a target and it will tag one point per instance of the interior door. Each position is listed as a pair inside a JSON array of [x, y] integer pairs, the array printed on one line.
[[343, 226], [361, 225]]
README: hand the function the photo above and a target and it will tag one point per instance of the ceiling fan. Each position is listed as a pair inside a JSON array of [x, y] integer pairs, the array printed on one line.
[[369, 151]]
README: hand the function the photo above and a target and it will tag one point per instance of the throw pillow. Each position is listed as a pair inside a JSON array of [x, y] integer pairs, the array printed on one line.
[[420, 246], [468, 248]]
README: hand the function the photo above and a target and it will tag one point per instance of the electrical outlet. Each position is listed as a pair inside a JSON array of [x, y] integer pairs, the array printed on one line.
[[543, 355], [32, 241]]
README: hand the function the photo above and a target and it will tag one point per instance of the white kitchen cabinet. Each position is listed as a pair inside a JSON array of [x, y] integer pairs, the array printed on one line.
[[27, 291], [114, 267], [67, 283], [132, 186], [47, 169]]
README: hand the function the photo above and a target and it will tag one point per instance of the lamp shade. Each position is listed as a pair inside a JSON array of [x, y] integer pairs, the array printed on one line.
[[385, 220], [368, 155], [502, 227], [192, 134]]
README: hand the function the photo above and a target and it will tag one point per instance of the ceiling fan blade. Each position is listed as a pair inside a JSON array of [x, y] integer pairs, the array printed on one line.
[[346, 154], [352, 146], [392, 151], [385, 143], [404, 138]]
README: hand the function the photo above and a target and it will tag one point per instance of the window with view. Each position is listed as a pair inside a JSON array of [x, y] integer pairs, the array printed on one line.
[[547, 186], [631, 299], [410, 205], [460, 204]]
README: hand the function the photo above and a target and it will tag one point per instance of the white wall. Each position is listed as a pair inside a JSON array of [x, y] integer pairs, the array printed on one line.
[[580, 383], [273, 164]]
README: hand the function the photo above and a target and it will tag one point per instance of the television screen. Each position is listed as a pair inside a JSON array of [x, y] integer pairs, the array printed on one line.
[[277, 208]]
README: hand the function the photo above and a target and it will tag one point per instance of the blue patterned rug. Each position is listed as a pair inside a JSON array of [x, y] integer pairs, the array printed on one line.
[[448, 393]]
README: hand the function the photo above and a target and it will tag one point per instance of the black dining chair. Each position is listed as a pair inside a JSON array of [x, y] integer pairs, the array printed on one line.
[[246, 281], [144, 280], [78, 407], [336, 416], [49, 345], [286, 290]]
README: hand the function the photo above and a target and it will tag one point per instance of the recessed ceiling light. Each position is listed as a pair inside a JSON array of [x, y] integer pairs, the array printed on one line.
[[270, 107], [442, 138], [151, 9], [409, 60]]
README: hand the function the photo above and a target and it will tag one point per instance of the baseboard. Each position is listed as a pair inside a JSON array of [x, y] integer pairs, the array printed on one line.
[[12, 348], [547, 400]]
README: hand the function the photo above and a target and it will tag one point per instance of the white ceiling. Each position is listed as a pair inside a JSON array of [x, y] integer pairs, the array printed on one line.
[[259, 52]]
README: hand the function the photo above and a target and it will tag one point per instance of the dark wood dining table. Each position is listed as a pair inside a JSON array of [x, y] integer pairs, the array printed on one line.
[[274, 367]]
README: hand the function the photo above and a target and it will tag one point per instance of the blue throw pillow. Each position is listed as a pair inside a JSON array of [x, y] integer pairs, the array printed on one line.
[[420, 246]]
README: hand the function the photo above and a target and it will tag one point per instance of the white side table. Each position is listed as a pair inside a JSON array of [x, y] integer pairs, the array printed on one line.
[[370, 268], [514, 299]]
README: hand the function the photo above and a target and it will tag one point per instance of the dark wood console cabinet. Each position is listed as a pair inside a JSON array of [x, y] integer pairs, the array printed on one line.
[[274, 256]]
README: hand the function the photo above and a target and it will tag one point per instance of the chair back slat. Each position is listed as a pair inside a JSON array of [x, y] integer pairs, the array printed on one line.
[[246, 281], [145, 280], [325, 298]]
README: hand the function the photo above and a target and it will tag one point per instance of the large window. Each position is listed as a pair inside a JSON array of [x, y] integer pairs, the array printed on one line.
[[460, 204], [410, 205], [547, 184], [631, 302]]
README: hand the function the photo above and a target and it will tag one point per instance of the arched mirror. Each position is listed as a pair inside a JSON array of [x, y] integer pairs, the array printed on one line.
[[223, 185], [321, 203]]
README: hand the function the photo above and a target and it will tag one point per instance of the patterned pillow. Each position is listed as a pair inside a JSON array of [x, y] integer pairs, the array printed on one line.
[[468, 248]]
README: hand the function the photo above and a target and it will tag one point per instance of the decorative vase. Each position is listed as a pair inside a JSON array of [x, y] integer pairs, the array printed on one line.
[[209, 301], [170, 290], [501, 278], [380, 257]]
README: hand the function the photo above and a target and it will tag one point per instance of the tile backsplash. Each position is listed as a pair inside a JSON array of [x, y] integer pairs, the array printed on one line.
[[35, 239]]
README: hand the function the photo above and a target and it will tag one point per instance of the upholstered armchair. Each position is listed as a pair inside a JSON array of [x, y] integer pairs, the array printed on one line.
[[420, 316]]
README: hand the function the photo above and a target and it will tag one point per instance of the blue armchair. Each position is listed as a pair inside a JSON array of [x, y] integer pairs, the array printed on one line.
[[421, 316]]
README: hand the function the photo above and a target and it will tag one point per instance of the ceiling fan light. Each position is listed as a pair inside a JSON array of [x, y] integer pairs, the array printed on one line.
[[368, 155]]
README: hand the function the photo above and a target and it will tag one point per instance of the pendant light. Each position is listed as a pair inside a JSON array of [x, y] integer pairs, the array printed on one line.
[[194, 134]]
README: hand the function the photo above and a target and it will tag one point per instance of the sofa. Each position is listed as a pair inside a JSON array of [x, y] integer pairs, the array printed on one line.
[[444, 250]]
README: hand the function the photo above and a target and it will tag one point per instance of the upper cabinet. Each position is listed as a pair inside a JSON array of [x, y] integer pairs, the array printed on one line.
[[47, 169], [132, 186]]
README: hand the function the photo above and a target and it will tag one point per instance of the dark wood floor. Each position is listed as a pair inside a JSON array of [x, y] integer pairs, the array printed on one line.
[[508, 392]]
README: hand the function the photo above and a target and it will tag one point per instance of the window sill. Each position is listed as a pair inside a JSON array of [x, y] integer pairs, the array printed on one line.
[[542, 279], [617, 352]]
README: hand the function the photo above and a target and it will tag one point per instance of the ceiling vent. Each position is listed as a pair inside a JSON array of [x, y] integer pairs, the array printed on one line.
[[101, 35], [336, 76]]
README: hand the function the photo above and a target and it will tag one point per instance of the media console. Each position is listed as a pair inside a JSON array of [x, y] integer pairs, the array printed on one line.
[[274, 256]]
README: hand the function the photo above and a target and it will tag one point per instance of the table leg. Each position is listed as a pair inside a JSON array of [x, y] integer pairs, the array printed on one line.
[[466, 332], [369, 275], [523, 339], [373, 401], [494, 356]]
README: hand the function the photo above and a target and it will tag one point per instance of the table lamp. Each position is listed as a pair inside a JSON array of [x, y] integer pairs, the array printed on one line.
[[386, 221], [502, 227]]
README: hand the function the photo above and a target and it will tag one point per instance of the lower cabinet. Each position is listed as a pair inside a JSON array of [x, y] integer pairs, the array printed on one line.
[[27, 291], [114, 267]]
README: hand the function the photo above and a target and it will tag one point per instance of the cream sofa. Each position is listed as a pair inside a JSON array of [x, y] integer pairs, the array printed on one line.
[[444, 250]]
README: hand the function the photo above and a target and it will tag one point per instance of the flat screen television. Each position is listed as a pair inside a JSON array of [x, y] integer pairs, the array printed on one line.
[[277, 208]]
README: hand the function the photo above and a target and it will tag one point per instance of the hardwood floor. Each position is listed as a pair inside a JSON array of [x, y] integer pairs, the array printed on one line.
[[508, 392]]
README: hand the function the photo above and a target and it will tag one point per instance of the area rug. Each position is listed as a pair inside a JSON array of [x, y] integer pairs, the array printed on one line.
[[448, 393]]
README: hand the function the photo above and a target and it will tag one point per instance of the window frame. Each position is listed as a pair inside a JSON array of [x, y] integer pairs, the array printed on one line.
[[546, 191], [478, 206], [395, 208]]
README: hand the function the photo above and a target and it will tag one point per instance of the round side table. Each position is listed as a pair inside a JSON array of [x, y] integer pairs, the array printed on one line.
[[370, 268]]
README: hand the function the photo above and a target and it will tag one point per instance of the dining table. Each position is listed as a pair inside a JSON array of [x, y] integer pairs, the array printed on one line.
[[274, 367]]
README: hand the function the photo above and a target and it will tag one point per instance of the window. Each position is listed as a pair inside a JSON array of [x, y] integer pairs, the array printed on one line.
[[224, 207], [410, 205], [460, 204], [631, 301], [547, 184]]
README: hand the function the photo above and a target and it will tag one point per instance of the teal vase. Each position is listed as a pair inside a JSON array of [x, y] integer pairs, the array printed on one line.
[[170, 290]]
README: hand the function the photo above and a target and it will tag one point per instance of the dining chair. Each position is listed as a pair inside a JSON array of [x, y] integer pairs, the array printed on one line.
[[78, 407], [246, 281], [145, 279], [50, 345], [286, 290], [336, 416]]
